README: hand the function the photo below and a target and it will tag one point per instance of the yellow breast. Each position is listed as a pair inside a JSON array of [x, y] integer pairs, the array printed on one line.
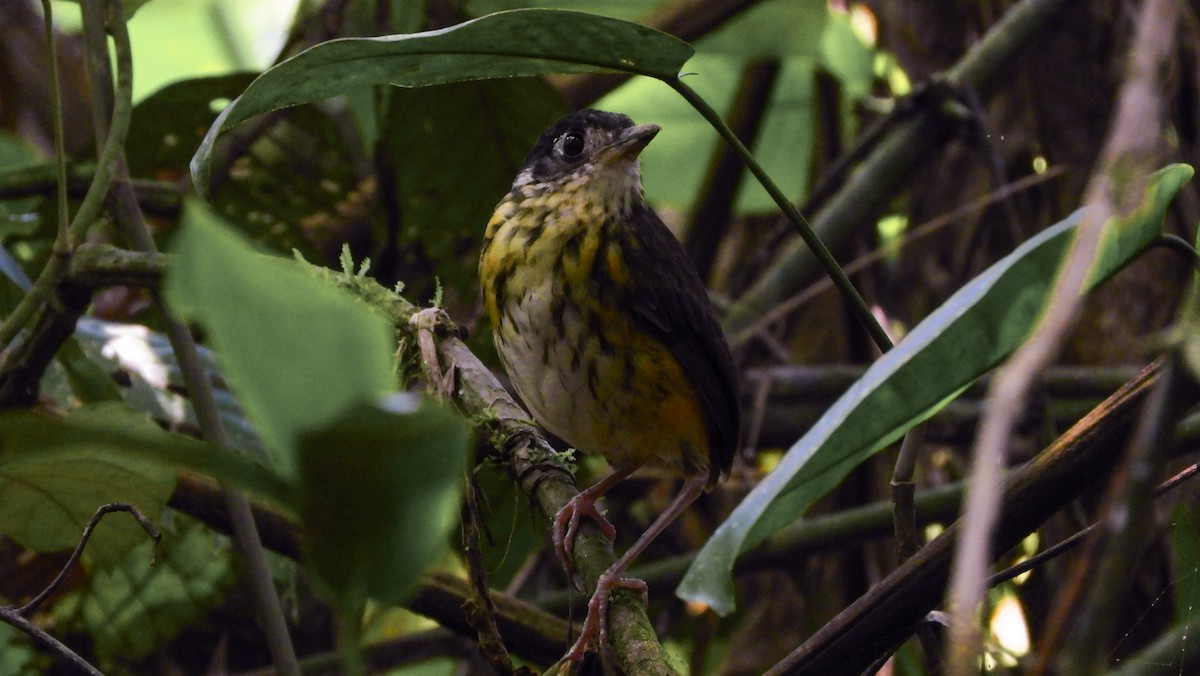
[[553, 275]]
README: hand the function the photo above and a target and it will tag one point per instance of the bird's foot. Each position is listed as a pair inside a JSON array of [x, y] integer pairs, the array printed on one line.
[[566, 526], [596, 623]]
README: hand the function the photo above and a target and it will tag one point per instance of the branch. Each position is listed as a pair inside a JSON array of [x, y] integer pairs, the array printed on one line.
[[530, 632], [161, 198], [1126, 161], [17, 617], [883, 617], [530, 460], [46, 641], [871, 186], [132, 222]]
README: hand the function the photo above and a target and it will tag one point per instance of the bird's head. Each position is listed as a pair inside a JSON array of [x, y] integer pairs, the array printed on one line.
[[588, 150]]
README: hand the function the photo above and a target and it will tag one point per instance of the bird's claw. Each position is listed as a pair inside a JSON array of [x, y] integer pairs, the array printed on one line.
[[596, 622], [566, 527]]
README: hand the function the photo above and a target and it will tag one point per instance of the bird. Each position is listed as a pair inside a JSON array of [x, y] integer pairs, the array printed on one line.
[[606, 330]]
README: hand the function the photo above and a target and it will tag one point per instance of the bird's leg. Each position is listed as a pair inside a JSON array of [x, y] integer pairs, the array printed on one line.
[[596, 623], [566, 520]]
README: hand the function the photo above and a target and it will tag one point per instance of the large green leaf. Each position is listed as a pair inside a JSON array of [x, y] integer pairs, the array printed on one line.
[[169, 123], [118, 449], [506, 44], [296, 351], [972, 332], [55, 473], [813, 37], [452, 167], [381, 492]]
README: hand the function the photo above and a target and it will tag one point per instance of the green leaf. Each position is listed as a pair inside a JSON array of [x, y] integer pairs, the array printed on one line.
[[972, 332], [296, 351], [380, 496], [134, 608], [16, 653], [55, 473], [117, 439], [298, 186], [172, 121], [1186, 540], [88, 380], [845, 55], [507, 44], [771, 29], [452, 167]]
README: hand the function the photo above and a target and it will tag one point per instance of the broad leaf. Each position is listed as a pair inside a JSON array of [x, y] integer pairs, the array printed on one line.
[[380, 495], [171, 122], [135, 608], [972, 332], [55, 473], [106, 453], [296, 351], [507, 44], [451, 168]]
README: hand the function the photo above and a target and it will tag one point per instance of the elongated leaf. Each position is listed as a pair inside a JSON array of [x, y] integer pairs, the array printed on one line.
[[972, 332], [506, 44], [381, 492], [108, 440], [296, 351]]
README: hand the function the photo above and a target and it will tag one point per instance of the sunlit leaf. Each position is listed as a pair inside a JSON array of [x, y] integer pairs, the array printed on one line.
[[296, 351], [845, 55], [972, 332], [380, 495]]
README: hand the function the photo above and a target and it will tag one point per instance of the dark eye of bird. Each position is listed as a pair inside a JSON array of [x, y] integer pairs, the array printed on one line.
[[572, 144]]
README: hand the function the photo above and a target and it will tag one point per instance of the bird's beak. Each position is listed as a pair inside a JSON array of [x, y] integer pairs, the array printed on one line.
[[630, 144]]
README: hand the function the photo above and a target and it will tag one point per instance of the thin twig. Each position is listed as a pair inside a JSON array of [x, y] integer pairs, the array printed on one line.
[[933, 225], [10, 616], [17, 617], [111, 507], [1179, 245], [1060, 548], [1055, 477], [851, 295], [870, 187], [129, 216], [89, 210], [61, 242], [904, 511], [481, 612]]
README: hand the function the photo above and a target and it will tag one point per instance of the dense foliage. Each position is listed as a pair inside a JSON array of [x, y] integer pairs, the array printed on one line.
[[296, 395]]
